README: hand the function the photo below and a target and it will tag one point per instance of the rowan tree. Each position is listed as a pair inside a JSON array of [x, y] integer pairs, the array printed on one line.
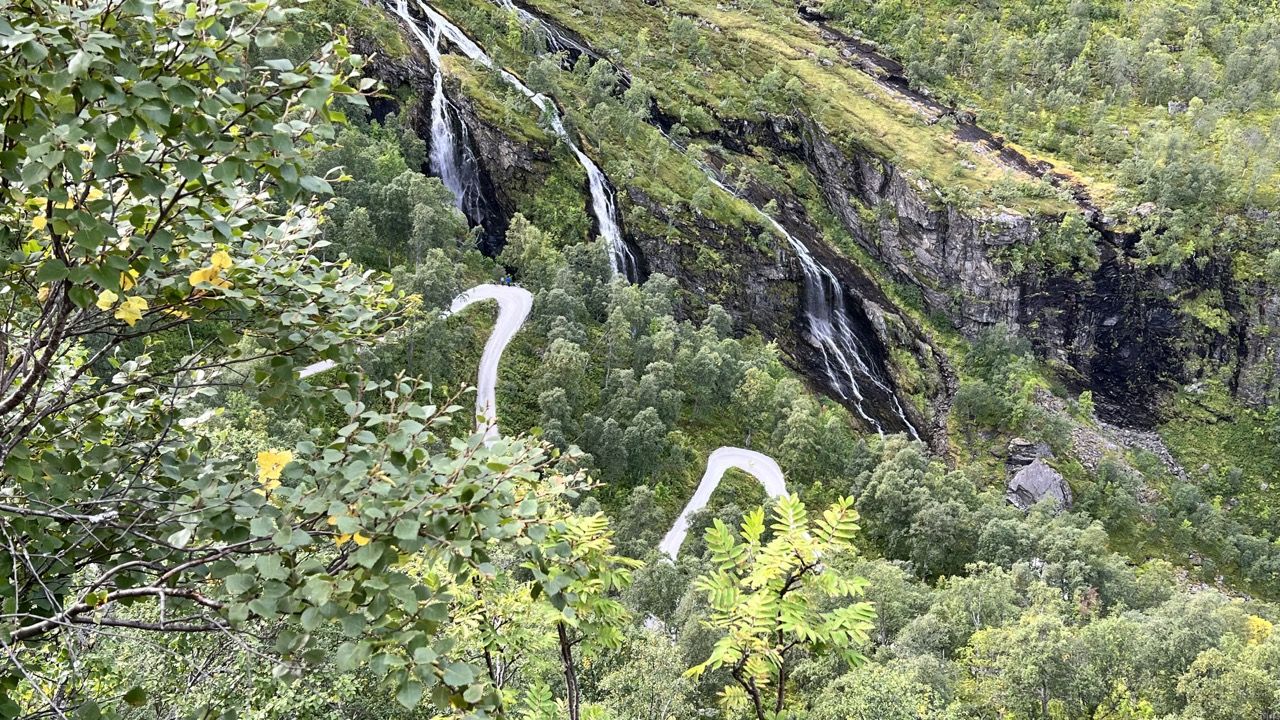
[[775, 598]]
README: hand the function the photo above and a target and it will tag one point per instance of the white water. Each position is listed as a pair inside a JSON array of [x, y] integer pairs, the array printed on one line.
[[827, 315], [621, 259], [513, 308], [555, 39], [315, 368], [760, 466], [826, 303], [449, 154]]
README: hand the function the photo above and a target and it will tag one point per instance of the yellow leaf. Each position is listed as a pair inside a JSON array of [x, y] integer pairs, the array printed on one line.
[[127, 279], [220, 260], [361, 540], [333, 520], [130, 310], [202, 275], [94, 193], [271, 463], [1257, 630], [43, 293], [342, 539], [39, 222], [211, 275], [106, 299]]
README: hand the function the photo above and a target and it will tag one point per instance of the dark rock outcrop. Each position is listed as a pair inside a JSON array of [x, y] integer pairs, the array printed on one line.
[[1117, 330], [1024, 452]]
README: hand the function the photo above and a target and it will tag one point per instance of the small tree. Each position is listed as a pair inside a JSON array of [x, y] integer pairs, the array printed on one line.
[[772, 599], [576, 571]]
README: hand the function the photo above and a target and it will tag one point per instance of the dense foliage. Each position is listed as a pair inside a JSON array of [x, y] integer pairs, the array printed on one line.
[[196, 204], [1173, 101]]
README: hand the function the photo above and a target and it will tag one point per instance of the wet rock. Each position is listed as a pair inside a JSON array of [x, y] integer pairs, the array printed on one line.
[[1024, 452], [1036, 482]]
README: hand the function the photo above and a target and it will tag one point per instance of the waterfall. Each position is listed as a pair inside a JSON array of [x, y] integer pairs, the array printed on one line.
[[826, 304], [450, 158], [827, 311], [556, 40], [621, 258]]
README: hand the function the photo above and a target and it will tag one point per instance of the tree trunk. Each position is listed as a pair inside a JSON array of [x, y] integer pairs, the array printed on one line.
[[570, 676], [752, 691]]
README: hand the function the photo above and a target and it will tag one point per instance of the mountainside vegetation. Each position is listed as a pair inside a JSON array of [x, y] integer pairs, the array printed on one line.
[[995, 285]]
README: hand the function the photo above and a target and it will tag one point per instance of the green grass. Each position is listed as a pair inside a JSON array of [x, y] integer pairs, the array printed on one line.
[[745, 47], [355, 18], [497, 104], [1231, 451]]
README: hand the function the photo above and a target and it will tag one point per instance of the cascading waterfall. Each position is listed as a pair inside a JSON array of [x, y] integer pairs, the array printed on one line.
[[556, 40], [826, 304], [827, 310], [621, 258], [450, 158]]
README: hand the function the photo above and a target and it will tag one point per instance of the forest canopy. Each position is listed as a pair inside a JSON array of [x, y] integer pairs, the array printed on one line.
[[241, 476]]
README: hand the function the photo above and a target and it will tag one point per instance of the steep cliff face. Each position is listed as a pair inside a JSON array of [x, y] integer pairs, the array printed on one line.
[[1258, 345], [411, 77], [1118, 330], [744, 267], [1122, 330], [759, 280]]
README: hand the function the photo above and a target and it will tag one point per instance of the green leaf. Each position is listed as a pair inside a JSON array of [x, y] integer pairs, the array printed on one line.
[[190, 169], [315, 98], [51, 271], [136, 696], [317, 185], [458, 675], [409, 694], [407, 529], [239, 584]]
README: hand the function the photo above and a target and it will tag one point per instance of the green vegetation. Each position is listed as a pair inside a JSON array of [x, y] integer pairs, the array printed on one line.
[[1174, 103], [196, 204], [731, 65]]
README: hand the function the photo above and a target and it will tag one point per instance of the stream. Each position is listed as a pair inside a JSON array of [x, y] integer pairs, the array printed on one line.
[[621, 258]]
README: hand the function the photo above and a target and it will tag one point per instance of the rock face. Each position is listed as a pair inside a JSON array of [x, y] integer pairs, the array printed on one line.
[[753, 274], [1117, 330], [414, 73], [1036, 482], [1024, 452], [1258, 378]]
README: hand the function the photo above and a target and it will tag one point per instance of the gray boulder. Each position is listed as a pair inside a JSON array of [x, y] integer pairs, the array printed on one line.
[[1034, 483]]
